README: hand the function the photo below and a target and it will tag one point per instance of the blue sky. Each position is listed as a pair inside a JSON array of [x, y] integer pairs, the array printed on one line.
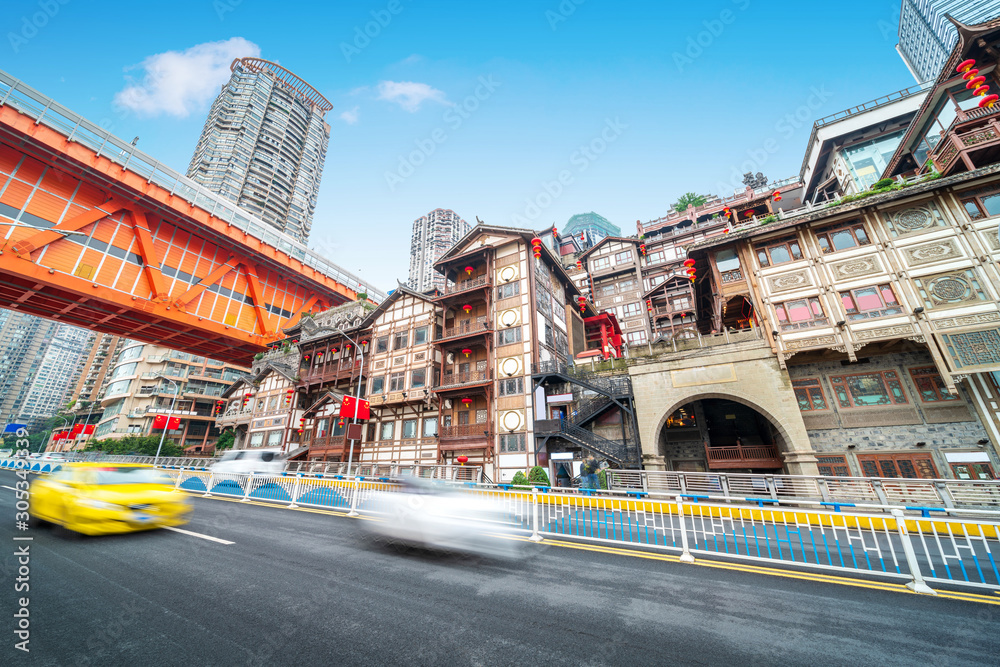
[[520, 112]]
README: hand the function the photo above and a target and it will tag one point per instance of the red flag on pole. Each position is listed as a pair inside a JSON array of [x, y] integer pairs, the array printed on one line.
[[175, 423], [88, 429], [58, 435], [347, 408], [159, 421], [77, 428]]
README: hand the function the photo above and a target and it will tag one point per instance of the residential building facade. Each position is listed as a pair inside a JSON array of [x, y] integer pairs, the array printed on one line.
[[432, 235], [264, 145], [148, 381]]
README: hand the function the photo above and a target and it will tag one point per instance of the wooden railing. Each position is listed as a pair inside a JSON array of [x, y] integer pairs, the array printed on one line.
[[465, 431], [466, 329], [743, 456], [451, 378], [466, 285]]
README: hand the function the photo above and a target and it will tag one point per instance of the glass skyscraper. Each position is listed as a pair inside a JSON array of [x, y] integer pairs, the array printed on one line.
[[926, 37], [264, 145]]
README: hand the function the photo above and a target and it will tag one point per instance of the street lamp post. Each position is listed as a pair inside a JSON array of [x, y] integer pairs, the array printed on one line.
[[65, 419], [357, 395], [170, 413]]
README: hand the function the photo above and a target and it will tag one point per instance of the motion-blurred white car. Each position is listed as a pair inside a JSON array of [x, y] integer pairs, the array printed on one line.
[[243, 461], [433, 516]]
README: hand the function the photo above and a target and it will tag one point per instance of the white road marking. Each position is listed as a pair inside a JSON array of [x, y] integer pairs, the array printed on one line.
[[204, 537]]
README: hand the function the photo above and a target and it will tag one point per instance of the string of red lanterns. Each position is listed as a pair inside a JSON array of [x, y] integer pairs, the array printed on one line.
[[582, 300], [536, 246], [691, 271], [642, 245], [977, 83], [579, 263], [649, 305], [776, 195]]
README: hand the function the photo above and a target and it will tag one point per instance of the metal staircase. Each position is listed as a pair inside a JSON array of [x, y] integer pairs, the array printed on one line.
[[616, 451]]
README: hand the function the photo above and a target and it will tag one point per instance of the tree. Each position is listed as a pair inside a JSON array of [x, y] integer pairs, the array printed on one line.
[[520, 480], [226, 440], [142, 445], [689, 199], [538, 477]]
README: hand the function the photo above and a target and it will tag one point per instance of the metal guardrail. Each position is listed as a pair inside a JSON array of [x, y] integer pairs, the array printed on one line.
[[878, 541], [45, 110], [928, 494]]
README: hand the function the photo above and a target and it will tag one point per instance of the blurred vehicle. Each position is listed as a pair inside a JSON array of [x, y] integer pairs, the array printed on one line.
[[56, 456], [430, 515], [265, 461], [6, 453], [99, 498], [35, 455]]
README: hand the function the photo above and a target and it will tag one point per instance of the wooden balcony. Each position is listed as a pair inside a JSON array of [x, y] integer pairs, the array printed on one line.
[[463, 330], [454, 380], [669, 311], [333, 372], [465, 436], [478, 282], [743, 456], [972, 131]]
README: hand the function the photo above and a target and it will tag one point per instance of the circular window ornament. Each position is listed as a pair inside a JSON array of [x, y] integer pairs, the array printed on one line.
[[511, 420], [510, 366], [508, 273], [950, 289], [914, 218], [508, 318]]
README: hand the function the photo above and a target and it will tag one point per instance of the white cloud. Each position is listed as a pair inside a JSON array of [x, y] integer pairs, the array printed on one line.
[[350, 116], [410, 94], [178, 83]]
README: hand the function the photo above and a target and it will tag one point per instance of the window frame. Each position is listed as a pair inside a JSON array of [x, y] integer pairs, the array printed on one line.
[[402, 432], [382, 431], [425, 330], [598, 263], [502, 333], [375, 391], [886, 377], [520, 443], [867, 314], [786, 324], [623, 257], [382, 344], [920, 372], [413, 378], [807, 384], [398, 336], [397, 382], [976, 198], [787, 243], [823, 234]]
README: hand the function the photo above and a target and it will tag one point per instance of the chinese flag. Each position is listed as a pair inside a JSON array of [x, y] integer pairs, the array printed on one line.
[[347, 408], [77, 429], [159, 421], [88, 429], [175, 423]]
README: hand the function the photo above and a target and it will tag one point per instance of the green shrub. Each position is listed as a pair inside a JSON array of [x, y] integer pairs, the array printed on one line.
[[520, 480], [883, 184], [143, 445], [538, 477], [602, 478]]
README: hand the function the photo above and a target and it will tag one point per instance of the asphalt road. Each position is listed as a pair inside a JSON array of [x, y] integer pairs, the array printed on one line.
[[304, 588]]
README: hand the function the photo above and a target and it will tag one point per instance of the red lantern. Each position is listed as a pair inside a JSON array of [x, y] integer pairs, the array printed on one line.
[[689, 262], [583, 236], [306, 357], [981, 90], [988, 101], [649, 305], [725, 211], [975, 82], [341, 422], [726, 230], [466, 352], [462, 459], [965, 65], [776, 195], [691, 271], [536, 246], [749, 214], [555, 234], [466, 401], [364, 342], [467, 308], [579, 264], [468, 270], [970, 73], [347, 346], [582, 300], [295, 340], [642, 248]]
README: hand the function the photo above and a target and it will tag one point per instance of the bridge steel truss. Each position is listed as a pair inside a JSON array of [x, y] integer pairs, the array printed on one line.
[[86, 241]]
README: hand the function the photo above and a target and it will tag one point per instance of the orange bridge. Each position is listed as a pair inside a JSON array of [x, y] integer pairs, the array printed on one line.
[[99, 235]]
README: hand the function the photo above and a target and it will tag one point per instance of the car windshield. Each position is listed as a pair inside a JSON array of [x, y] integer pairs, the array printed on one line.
[[232, 456], [114, 475]]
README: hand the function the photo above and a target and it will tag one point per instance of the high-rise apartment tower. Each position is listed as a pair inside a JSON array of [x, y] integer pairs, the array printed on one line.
[[433, 234], [264, 145]]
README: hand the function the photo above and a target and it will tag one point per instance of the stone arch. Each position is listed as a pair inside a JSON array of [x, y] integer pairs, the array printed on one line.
[[785, 443]]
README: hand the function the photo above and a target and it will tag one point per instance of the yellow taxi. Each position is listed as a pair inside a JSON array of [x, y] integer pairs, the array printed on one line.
[[100, 498]]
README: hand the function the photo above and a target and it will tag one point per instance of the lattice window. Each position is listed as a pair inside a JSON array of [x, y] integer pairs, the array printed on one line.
[[975, 348], [833, 466], [809, 395], [930, 386], [950, 289], [868, 389]]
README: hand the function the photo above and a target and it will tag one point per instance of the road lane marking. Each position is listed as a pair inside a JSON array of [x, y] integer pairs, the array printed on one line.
[[192, 534]]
